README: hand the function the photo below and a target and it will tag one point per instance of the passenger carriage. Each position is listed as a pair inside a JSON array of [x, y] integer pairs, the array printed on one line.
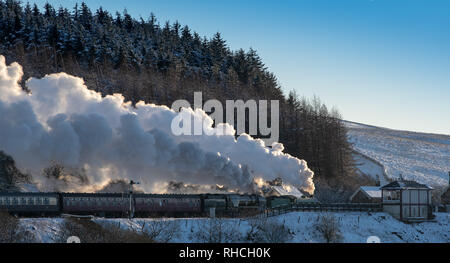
[[111, 205], [30, 204], [167, 205]]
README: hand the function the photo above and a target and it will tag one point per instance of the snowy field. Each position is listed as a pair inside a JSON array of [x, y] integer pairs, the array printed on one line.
[[369, 167], [354, 228], [417, 156]]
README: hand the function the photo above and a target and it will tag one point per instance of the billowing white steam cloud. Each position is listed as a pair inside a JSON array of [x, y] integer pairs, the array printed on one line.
[[62, 121]]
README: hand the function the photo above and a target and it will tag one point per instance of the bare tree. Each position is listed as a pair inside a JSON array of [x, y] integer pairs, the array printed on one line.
[[161, 231], [62, 178], [54, 171], [217, 230], [328, 227], [92, 232], [11, 230], [264, 230]]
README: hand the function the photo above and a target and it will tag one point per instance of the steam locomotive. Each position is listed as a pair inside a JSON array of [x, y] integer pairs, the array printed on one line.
[[124, 205]]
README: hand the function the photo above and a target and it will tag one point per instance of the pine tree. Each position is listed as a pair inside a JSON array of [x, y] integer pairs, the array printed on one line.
[[165, 63], [85, 16]]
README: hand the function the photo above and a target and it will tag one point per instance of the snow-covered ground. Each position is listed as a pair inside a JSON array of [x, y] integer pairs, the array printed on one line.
[[422, 157], [368, 166], [354, 227]]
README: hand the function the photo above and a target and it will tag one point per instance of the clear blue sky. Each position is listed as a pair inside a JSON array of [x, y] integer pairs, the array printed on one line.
[[380, 62]]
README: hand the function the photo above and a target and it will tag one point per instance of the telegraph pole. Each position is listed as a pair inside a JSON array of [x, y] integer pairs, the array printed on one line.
[[131, 212]]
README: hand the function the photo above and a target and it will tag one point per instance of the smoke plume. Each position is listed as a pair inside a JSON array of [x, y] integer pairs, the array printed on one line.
[[62, 121]]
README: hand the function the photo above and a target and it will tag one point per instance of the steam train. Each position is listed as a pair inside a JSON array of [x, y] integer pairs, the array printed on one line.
[[124, 205]]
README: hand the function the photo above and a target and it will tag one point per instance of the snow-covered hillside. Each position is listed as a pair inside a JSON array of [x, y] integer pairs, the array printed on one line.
[[369, 167], [354, 228], [417, 156]]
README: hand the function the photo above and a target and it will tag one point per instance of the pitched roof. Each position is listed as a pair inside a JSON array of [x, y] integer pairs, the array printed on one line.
[[405, 185], [372, 191], [286, 190], [369, 191]]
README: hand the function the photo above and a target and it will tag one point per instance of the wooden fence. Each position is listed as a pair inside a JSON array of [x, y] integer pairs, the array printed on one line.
[[313, 207]]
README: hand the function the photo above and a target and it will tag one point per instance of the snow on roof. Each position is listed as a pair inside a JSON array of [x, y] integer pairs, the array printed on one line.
[[372, 191], [405, 185], [369, 191], [287, 190]]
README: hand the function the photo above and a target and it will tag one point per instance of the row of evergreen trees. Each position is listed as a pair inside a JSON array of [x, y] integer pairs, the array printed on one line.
[[161, 63], [123, 41]]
